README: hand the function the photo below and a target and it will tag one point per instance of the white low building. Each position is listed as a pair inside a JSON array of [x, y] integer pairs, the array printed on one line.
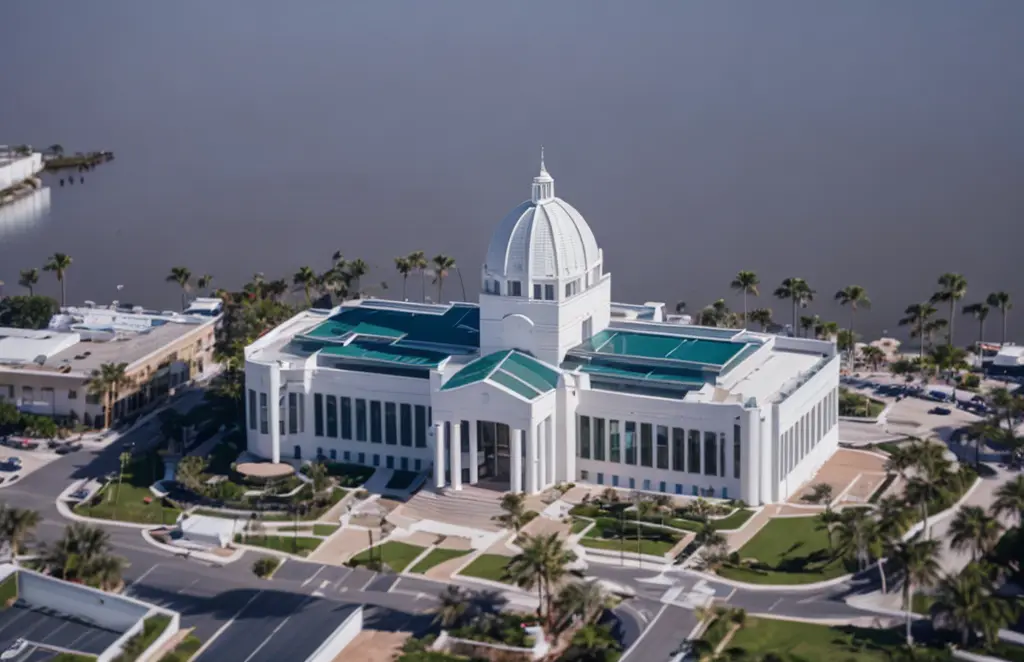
[[546, 381]]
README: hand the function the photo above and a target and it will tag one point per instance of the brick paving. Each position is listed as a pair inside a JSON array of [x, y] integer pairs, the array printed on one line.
[[840, 471]]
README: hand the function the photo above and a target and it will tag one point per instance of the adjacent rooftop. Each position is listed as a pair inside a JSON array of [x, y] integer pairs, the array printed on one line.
[[519, 373]]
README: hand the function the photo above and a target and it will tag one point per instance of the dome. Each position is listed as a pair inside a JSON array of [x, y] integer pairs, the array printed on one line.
[[543, 238]]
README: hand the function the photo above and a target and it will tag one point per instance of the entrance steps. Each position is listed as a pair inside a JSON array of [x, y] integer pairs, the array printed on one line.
[[471, 507]]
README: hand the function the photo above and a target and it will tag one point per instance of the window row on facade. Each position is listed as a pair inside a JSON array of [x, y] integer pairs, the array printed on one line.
[[804, 435], [648, 485], [364, 458], [690, 451], [343, 417]]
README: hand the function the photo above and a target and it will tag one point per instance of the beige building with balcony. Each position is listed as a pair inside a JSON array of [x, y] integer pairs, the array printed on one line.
[[47, 372]]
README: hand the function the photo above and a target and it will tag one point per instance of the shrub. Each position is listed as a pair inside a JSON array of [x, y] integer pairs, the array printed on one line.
[[265, 566]]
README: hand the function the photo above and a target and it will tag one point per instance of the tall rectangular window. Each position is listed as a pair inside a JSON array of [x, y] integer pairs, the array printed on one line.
[[293, 413], [549, 292], [302, 412], [662, 448], [736, 451], [693, 451], [646, 445], [537, 291], [464, 440], [721, 454], [678, 449], [515, 288], [599, 442], [318, 414], [421, 426], [375, 423], [390, 424], [405, 412], [614, 452], [252, 409], [264, 424], [630, 442], [710, 454], [584, 434], [346, 418], [332, 415]]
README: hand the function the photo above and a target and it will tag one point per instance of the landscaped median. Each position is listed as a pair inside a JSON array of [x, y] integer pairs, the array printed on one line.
[[129, 499], [392, 554], [622, 536], [298, 545], [788, 550], [488, 566], [436, 557]]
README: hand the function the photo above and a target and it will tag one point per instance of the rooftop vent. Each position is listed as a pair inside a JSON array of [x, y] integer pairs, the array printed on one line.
[[40, 360], [137, 310], [90, 304]]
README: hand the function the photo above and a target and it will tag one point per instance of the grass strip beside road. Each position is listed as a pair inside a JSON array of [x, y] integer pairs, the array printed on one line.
[[184, 651], [152, 628], [8, 590], [396, 555], [807, 641], [488, 566], [300, 545], [129, 500], [436, 557], [789, 551]]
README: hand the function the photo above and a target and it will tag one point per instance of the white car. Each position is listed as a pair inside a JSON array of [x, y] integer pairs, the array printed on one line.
[[14, 650], [613, 588]]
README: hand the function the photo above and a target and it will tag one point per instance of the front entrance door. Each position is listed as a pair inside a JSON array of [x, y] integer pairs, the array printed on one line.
[[493, 439]]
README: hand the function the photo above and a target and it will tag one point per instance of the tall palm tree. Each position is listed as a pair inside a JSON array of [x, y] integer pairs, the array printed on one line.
[[809, 322], [204, 282], [580, 598], [1001, 300], [952, 288], [183, 278], [17, 526], [106, 381], [978, 311], [829, 519], [59, 263], [918, 316], [442, 264], [514, 512], [305, 279], [418, 262], [826, 330], [948, 360], [747, 283], [404, 267], [974, 530], [356, 269], [592, 643], [930, 478], [1009, 500], [798, 292], [958, 604], [856, 297], [856, 536], [84, 553], [918, 560], [543, 562], [29, 278], [762, 317], [453, 604]]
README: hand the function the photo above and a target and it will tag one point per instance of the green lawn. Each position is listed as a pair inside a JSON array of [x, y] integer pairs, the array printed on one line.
[[792, 550], [184, 650], [734, 521], [578, 524], [396, 555], [605, 535], [488, 566], [325, 529], [301, 545], [152, 628], [437, 557], [9, 589], [349, 475], [75, 657], [816, 642], [127, 501], [401, 480]]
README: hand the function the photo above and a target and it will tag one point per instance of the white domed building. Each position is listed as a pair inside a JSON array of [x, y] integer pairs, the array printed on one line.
[[545, 381]]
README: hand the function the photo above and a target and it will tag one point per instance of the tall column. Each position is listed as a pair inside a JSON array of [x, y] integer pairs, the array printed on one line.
[[549, 434], [542, 448], [516, 461], [531, 459], [455, 451], [474, 458], [438, 454]]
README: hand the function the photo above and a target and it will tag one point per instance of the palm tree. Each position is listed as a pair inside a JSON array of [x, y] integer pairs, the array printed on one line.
[[84, 554], [762, 317], [952, 288], [856, 297], [404, 267], [580, 598], [453, 604], [1009, 500], [56, 149], [543, 562], [514, 515], [978, 311], [1001, 300], [828, 520], [17, 526], [355, 270], [204, 282], [183, 277], [873, 356], [918, 560], [442, 265], [418, 262], [28, 279], [826, 330], [592, 643], [948, 360], [105, 382], [856, 536], [59, 263], [808, 322], [798, 292], [919, 316], [928, 483], [958, 603], [975, 530], [893, 516], [716, 314], [746, 282], [305, 279]]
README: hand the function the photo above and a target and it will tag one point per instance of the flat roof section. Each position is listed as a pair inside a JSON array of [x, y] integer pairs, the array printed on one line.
[[395, 353], [48, 628], [633, 344], [459, 325]]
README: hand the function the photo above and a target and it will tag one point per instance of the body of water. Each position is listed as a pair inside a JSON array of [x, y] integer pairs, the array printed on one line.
[[866, 142]]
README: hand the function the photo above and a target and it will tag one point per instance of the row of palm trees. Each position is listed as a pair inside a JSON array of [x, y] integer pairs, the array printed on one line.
[[83, 554], [952, 288], [57, 264]]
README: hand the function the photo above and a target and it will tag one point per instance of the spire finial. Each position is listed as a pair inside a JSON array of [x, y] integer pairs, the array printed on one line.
[[542, 168]]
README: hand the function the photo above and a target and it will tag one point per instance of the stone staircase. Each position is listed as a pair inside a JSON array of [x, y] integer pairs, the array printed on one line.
[[469, 507]]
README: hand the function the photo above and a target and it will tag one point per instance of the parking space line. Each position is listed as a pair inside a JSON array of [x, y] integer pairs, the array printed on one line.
[[368, 582], [313, 576], [337, 584], [182, 590], [298, 609], [644, 633], [15, 619], [226, 625], [145, 574]]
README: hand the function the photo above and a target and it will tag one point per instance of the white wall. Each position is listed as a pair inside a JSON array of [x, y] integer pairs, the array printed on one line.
[[340, 638], [105, 609], [20, 169]]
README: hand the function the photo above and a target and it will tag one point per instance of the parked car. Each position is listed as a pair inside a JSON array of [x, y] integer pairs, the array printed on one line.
[[22, 444], [54, 444], [80, 494], [941, 411], [12, 464], [69, 447], [14, 650]]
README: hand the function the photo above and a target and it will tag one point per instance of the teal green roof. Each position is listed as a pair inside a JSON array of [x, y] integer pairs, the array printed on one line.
[[523, 375], [693, 378], [458, 325], [713, 353], [386, 353]]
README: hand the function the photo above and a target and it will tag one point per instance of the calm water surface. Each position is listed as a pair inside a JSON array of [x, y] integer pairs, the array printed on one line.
[[871, 142]]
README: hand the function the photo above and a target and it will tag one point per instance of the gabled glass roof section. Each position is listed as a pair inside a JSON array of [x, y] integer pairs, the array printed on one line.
[[524, 375], [637, 345]]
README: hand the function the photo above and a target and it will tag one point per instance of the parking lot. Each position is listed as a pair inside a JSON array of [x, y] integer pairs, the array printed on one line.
[[49, 633]]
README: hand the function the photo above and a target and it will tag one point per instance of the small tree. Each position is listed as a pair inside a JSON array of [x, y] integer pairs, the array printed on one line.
[[265, 566]]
